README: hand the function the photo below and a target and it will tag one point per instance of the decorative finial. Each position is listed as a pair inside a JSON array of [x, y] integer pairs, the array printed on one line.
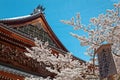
[[39, 9]]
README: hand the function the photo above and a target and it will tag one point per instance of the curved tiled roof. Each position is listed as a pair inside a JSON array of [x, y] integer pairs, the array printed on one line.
[[28, 18]]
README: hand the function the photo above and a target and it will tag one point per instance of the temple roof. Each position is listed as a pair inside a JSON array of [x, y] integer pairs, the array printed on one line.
[[29, 18]]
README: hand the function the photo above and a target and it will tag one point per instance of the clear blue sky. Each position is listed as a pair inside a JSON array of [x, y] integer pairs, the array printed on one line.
[[57, 10]]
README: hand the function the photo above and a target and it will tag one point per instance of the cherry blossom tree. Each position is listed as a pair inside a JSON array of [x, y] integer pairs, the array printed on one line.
[[104, 29], [63, 65]]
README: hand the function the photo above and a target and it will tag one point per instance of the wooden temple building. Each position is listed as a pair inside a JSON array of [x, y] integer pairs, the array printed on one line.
[[18, 33]]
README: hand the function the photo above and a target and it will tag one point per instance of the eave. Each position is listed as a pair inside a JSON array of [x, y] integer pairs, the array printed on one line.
[[32, 18]]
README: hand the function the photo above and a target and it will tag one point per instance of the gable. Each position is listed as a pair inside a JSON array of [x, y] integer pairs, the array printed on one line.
[[35, 31], [38, 20]]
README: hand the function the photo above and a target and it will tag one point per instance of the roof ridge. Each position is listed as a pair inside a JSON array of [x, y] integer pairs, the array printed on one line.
[[17, 17]]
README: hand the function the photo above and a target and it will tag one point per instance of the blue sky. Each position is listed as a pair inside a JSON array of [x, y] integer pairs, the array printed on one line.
[[57, 10]]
